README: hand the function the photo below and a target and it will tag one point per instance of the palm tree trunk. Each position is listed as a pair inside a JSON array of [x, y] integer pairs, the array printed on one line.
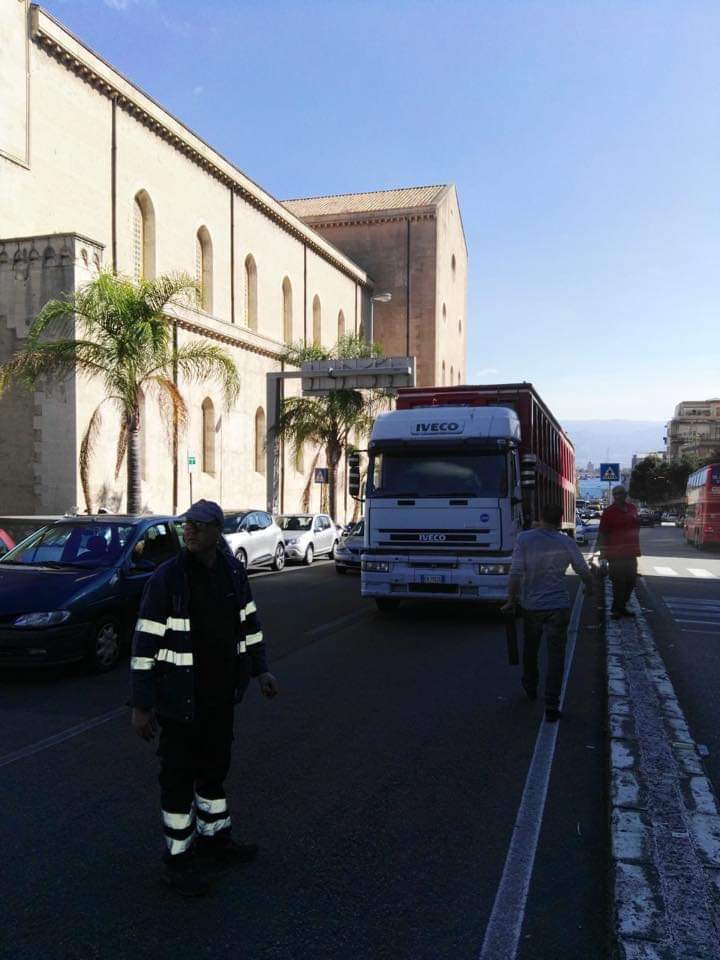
[[134, 491], [333, 458]]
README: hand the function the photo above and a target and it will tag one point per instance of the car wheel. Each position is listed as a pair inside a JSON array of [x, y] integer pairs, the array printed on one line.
[[279, 561], [105, 645], [241, 557], [341, 570], [387, 604], [309, 556]]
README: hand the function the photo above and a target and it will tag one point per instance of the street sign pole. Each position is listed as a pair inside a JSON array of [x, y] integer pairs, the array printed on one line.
[[192, 467]]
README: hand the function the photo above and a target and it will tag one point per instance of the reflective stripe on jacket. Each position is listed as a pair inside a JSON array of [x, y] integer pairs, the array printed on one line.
[[161, 667]]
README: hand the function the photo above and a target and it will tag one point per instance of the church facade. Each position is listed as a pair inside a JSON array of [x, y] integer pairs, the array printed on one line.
[[94, 174]]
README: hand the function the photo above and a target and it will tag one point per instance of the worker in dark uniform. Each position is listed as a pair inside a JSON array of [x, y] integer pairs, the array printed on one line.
[[619, 543], [197, 643]]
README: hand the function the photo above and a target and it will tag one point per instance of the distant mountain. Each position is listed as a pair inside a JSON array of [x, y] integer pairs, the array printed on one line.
[[614, 440]]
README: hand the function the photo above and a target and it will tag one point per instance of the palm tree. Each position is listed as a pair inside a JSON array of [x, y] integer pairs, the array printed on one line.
[[116, 331], [329, 421]]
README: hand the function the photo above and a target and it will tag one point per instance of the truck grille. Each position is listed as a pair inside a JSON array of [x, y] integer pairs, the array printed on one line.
[[434, 539]]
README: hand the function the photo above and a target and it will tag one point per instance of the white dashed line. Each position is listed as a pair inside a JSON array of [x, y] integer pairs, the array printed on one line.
[[666, 572], [701, 572]]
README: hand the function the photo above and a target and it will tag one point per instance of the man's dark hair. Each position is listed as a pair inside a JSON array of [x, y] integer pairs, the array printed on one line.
[[552, 513]]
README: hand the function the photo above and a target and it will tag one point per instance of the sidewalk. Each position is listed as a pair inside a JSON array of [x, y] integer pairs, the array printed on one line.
[[664, 819]]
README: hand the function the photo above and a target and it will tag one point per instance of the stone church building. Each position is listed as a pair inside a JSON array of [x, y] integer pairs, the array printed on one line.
[[94, 174]]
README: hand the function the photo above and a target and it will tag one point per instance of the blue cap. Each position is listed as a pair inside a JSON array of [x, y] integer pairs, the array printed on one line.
[[205, 511]]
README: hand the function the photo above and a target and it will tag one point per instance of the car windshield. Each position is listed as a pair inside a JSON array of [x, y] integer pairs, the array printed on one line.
[[72, 545], [357, 529], [231, 522], [441, 473], [294, 523]]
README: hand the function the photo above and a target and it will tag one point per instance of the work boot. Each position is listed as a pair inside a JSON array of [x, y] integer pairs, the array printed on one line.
[[226, 853], [186, 879]]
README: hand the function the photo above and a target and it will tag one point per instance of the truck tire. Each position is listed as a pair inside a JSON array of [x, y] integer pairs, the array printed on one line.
[[387, 604]]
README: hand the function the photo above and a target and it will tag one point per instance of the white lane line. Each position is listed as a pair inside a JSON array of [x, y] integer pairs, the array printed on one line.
[[508, 913], [339, 623], [691, 602], [701, 572], [53, 741], [666, 572], [710, 623]]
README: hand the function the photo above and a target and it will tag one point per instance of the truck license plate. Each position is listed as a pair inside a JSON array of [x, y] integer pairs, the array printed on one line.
[[432, 578]]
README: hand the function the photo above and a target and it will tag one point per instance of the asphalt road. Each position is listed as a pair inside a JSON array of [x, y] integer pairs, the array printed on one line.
[[383, 785], [681, 588]]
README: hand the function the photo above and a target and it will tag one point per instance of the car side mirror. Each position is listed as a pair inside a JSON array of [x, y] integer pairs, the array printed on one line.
[[253, 527]]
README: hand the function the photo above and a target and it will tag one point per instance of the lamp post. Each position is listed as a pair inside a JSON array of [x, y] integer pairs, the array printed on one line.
[[378, 298]]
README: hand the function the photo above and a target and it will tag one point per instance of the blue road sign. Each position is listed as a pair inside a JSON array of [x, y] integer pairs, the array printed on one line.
[[321, 475], [610, 472]]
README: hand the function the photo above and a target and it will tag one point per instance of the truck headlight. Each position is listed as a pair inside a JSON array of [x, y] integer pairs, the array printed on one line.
[[493, 569], [48, 619], [376, 566]]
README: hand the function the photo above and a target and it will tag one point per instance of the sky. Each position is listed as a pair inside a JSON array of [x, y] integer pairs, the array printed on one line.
[[583, 138]]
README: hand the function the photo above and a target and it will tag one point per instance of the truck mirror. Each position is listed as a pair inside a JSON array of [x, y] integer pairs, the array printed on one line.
[[353, 461]]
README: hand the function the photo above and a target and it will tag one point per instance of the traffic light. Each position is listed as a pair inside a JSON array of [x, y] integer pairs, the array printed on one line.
[[353, 462]]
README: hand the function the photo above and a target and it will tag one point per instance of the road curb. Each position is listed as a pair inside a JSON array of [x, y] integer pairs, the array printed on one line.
[[664, 815]]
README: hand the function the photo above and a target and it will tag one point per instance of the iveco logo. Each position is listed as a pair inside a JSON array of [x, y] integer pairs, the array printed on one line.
[[439, 426], [432, 538]]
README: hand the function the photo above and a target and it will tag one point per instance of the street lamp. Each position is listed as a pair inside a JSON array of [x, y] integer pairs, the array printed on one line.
[[378, 298]]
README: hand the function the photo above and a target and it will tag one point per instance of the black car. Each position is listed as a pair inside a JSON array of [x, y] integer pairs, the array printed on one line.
[[71, 590], [646, 518]]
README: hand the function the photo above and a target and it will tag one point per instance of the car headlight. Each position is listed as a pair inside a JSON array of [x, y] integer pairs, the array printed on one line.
[[376, 566], [493, 569], [48, 619], [291, 541]]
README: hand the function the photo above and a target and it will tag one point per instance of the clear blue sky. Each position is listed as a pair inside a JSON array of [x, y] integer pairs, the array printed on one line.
[[583, 137]]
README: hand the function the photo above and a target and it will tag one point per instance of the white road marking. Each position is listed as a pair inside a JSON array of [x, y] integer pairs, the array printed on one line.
[[508, 913], [709, 623], [60, 737], [666, 572], [701, 572]]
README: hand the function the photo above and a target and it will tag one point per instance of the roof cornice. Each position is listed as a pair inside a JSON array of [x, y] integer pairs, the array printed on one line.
[[57, 41]]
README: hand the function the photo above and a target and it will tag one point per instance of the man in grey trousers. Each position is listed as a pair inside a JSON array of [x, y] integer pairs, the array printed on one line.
[[537, 580]]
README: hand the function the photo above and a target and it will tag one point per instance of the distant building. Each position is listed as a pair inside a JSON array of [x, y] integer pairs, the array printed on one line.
[[410, 242], [695, 429], [590, 468], [637, 457]]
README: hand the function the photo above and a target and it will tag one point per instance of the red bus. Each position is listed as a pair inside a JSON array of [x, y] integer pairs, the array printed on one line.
[[702, 513]]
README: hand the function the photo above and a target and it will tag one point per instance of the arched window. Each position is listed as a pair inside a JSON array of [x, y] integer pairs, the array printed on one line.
[[251, 311], [287, 310], [452, 375], [204, 269], [260, 441], [442, 383], [317, 321], [444, 312], [208, 436], [453, 265], [460, 325], [341, 325], [143, 238], [459, 378]]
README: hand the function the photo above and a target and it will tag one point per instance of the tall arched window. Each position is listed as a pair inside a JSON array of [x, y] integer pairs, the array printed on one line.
[[260, 441], [443, 374], [444, 313], [287, 310], [459, 378], [204, 269], [251, 310], [317, 321], [341, 325], [208, 436], [452, 375], [143, 237]]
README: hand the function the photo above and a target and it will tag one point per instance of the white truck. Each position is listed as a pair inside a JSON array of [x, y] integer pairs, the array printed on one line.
[[451, 481]]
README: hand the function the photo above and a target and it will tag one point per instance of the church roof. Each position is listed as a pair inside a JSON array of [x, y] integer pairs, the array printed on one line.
[[346, 203]]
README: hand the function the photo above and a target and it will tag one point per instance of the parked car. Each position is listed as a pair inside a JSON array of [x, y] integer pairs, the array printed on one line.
[[6, 542], [350, 547], [71, 590], [254, 538], [646, 517], [583, 530], [308, 535]]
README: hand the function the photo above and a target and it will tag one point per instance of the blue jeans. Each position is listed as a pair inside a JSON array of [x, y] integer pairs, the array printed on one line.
[[553, 625]]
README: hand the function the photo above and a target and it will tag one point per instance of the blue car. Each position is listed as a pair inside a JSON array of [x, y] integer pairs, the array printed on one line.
[[71, 590]]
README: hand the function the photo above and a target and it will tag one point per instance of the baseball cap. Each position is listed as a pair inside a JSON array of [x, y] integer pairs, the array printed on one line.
[[205, 511]]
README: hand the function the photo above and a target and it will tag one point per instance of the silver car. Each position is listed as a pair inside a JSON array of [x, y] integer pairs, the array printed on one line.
[[307, 535], [254, 538], [350, 548]]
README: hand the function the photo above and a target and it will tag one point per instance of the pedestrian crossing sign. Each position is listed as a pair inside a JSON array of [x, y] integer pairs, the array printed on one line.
[[610, 472]]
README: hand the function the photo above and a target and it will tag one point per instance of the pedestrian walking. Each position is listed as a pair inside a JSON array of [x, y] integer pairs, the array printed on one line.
[[619, 543], [538, 582], [196, 646]]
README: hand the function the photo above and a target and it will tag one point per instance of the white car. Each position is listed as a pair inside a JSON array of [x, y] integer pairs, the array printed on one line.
[[350, 548], [307, 535], [254, 538]]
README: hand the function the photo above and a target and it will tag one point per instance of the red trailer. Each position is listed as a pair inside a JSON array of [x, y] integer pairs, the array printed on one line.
[[545, 448]]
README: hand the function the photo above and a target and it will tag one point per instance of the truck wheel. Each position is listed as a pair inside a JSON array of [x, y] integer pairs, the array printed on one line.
[[387, 604]]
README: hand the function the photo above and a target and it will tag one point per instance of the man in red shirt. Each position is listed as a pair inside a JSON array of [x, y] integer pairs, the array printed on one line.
[[619, 543]]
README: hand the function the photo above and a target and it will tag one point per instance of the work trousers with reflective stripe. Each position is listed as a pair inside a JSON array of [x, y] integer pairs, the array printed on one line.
[[194, 762], [553, 626]]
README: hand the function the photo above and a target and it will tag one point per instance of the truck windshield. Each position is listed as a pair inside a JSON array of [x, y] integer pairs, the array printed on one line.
[[439, 473]]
